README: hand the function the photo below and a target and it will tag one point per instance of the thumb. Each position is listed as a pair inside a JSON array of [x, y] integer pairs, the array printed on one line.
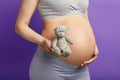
[[50, 47]]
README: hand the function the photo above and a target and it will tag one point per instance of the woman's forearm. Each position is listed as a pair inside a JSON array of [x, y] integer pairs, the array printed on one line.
[[27, 33]]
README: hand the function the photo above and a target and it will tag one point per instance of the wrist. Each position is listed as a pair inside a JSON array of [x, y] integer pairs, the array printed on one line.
[[41, 40]]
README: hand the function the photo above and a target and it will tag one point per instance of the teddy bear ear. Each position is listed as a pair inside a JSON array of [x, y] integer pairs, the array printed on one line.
[[55, 29]]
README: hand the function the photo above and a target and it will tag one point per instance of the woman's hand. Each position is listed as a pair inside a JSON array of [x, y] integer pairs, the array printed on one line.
[[46, 45], [95, 55]]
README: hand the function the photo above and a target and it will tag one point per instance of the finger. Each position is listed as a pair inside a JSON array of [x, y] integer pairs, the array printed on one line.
[[50, 44], [91, 60], [96, 51], [82, 65], [86, 64], [95, 54], [49, 47]]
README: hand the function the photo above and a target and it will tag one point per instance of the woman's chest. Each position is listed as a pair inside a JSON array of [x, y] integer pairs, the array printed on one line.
[[64, 4]]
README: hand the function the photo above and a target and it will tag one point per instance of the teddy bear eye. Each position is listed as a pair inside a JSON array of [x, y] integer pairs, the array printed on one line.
[[61, 31]]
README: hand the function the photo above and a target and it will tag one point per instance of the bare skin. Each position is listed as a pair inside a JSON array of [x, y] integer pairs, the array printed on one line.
[[84, 50]]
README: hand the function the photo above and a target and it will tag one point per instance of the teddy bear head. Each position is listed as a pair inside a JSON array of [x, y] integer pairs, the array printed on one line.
[[60, 31]]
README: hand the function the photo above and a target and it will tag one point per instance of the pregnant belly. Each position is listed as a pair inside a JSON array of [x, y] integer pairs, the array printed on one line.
[[82, 37]]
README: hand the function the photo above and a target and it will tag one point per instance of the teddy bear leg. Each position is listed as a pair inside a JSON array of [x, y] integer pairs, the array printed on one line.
[[57, 51], [66, 52]]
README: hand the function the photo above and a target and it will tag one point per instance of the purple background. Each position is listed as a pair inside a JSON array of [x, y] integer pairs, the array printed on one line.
[[16, 53]]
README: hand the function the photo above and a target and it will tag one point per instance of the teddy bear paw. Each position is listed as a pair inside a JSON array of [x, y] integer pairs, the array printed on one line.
[[67, 53], [57, 51]]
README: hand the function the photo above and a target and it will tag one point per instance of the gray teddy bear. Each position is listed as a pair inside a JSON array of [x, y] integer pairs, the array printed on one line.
[[59, 44]]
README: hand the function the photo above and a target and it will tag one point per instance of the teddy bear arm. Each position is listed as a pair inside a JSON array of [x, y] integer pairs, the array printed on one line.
[[69, 40], [54, 43]]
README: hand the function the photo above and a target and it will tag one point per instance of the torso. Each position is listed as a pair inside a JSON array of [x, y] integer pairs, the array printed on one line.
[[79, 31]]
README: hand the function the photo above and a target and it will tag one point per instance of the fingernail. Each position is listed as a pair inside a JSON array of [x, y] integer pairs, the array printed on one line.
[[53, 50], [81, 64]]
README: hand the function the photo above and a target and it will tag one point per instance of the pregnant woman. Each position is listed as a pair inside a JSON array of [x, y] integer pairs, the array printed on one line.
[[73, 15]]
